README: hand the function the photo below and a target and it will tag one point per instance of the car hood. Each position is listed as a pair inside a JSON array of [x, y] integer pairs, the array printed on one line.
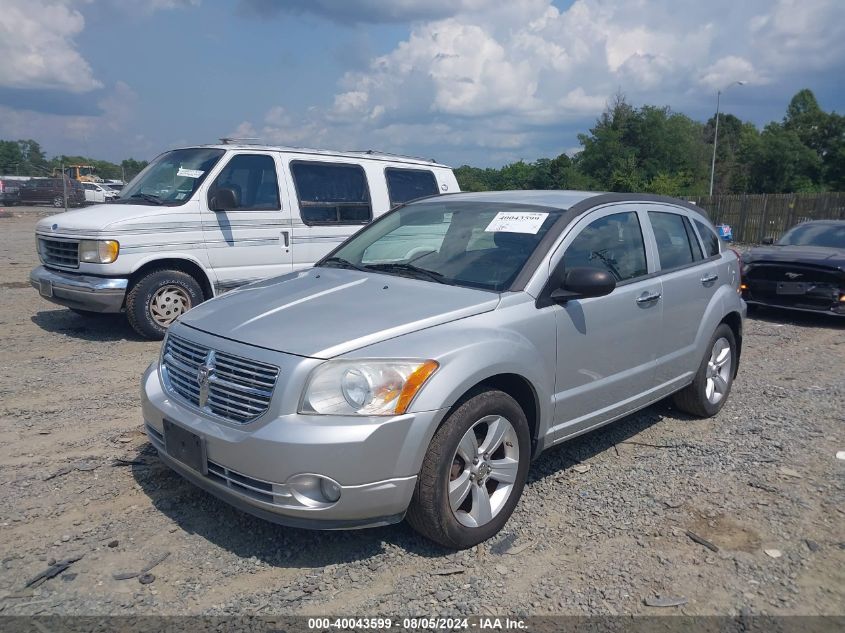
[[91, 220], [815, 255], [324, 312]]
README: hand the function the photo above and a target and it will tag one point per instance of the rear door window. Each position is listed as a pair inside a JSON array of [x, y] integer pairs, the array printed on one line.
[[332, 193], [710, 239], [405, 185], [673, 242]]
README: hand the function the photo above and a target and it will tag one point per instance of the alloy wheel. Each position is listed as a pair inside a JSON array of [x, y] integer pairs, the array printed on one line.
[[483, 471], [718, 371]]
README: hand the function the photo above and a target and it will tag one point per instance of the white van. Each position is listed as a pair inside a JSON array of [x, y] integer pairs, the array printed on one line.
[[201, 220]]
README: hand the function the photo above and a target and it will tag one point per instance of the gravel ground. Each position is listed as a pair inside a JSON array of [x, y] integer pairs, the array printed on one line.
[[601, 527]]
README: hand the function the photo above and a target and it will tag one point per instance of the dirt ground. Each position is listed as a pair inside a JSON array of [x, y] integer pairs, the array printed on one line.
[[602, 526]]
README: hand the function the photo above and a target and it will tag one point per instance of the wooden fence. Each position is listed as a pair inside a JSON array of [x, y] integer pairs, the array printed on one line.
[[753, 217]]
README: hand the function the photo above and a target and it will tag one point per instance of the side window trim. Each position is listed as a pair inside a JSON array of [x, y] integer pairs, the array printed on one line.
[[299, 161]]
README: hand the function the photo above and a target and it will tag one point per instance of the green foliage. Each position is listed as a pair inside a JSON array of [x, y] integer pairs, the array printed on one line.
[[649, 148]]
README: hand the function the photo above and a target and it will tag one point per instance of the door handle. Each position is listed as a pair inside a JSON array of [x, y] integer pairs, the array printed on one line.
[[648, 298], [286, 238], [708, 278]]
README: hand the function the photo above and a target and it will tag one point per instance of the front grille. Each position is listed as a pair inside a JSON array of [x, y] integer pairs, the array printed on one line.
[[792, 272], [236, 389], [249, 486], [64, 253]]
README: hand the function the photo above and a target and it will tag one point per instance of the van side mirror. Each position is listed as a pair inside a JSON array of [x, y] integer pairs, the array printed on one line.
[[768, 240], [582, 283], [224, 198]]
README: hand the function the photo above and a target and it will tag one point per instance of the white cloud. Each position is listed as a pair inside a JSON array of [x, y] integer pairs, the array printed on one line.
[[37, 47]]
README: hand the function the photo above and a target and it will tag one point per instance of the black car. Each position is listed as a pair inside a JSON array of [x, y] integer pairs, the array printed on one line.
[[803, 270], [52, 191]]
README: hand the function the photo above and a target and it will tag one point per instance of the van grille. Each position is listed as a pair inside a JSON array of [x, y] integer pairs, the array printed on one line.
[[236, 389], [64, 253]]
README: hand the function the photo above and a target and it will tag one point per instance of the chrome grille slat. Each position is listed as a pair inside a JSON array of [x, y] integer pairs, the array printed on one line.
[[239, 390], [59, 252]]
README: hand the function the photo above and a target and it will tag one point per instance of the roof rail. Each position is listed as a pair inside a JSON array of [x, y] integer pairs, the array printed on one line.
[[249, 140], [375, 151]]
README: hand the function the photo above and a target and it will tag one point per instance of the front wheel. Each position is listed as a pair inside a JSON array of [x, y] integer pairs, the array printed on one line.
[[712, 384], [58, 202], [473, 473], [158, 299]]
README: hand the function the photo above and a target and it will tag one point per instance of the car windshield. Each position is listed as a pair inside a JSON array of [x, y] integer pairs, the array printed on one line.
[[812, 234], [474, 244], [172, 177]]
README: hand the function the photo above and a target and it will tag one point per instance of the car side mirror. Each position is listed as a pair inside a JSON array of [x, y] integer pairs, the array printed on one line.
[[582, 283], [224, 198], [768, 240]]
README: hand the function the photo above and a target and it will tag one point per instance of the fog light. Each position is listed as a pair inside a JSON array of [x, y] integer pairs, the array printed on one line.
[[330, 490]]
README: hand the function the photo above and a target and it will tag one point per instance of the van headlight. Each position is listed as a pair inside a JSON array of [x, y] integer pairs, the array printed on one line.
[[98, 251], [365, 387]]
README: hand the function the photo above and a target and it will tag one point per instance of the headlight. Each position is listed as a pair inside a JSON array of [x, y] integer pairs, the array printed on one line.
[[365, 387], [98, 251]]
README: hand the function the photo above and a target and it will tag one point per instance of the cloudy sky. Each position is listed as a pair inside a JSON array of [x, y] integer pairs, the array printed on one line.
[[466, 81]]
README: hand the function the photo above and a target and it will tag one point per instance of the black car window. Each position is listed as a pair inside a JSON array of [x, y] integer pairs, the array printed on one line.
[[613, 243], [673, 243], [709, 237], [405, 185], [693, 240], [332, 193], [253, 179]]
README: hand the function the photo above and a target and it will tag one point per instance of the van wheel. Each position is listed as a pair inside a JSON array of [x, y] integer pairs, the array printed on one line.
[[712, 384], [158, 299], [58, 202], [473, 473]]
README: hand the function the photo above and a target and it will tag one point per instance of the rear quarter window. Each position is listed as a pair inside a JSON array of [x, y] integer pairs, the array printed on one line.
[[405, 185], [709, 238]]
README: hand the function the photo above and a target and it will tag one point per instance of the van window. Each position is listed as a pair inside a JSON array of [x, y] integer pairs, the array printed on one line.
[[673, 244], [253, 178], [405, 185], [710, 239], [332, 193]]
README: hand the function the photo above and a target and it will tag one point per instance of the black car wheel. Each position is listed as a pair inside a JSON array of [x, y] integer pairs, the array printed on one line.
[[58, 202]]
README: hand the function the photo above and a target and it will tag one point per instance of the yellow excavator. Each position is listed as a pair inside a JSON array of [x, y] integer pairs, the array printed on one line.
[[83, 173]]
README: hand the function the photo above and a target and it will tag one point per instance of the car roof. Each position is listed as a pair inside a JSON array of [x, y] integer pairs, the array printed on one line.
[[577, 202], [329, 153], [830, 222]]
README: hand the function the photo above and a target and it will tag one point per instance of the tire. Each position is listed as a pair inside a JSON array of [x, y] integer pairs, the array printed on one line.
[[694, 398], [157, 299], [431, 512], [58, 202]]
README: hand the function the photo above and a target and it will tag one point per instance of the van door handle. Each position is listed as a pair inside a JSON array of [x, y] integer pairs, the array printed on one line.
[[708, 278], [286, 238], [648, 298]]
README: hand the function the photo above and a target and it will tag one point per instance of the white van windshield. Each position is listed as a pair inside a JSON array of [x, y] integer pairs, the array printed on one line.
[[172, 178]]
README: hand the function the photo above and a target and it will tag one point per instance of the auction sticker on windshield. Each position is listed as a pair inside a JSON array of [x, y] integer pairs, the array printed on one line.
[[189, 173], [516, 222]]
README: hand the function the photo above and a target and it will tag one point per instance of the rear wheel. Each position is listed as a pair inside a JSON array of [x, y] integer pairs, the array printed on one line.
[[473, 473], [712, 384], [58, 202], [158, 299]]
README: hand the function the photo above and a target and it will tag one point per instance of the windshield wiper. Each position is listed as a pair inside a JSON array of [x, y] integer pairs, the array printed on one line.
[[414, 270], [148, 197], [343, 263]]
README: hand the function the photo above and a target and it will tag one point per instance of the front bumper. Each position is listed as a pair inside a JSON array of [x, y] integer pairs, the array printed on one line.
[[84, 292], [823, 298], [250, 466]]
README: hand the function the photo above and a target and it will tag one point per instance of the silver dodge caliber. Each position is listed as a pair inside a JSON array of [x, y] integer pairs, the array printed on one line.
[[419, 368]]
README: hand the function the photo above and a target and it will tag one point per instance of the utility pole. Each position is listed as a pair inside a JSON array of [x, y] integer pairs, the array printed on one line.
[[64, 185], [716, 135]]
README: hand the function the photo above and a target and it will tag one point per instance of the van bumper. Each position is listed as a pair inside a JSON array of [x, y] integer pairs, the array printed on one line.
[[83, 292]]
